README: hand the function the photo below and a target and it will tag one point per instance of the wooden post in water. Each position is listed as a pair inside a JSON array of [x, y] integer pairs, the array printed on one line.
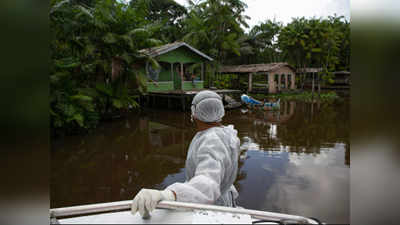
[[319, 85], [183, 102], [312, 90], [250, 82]]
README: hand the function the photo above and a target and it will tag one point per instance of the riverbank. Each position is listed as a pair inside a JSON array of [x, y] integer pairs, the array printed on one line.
[[306, 96]]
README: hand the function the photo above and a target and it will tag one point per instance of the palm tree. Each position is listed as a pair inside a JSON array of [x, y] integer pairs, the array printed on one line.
[[92, 54], [214, 27]]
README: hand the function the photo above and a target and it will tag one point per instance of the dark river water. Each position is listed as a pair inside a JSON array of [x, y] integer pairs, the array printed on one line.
[[294, 161]]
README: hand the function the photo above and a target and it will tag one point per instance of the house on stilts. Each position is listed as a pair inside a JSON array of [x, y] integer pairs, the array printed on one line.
[[175, 72], [180, 75]]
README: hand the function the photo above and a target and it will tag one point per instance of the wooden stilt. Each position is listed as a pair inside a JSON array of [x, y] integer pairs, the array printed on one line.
[[183, 103], [312, 91], [250, 82]]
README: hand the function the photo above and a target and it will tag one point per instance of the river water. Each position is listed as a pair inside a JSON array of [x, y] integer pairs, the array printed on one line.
[[294, 161]]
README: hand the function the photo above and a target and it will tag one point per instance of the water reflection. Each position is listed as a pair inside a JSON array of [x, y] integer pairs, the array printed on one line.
[[297, 127], [293, 161], [115, 162], [296, 160]]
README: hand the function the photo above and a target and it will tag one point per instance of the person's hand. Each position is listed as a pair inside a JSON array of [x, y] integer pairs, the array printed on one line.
[[147, 199]]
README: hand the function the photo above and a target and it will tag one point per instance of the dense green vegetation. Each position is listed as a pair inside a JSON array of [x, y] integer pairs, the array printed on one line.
[[92, 56], [95, 49], [317, 43]]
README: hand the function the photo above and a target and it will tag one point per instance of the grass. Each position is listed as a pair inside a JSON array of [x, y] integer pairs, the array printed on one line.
[[302, 96]]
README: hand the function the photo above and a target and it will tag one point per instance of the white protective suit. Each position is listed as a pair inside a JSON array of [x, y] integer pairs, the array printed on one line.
[[211, 168], [211, 163]]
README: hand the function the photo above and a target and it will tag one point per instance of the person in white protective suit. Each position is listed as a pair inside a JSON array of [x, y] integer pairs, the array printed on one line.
[[211, 163]]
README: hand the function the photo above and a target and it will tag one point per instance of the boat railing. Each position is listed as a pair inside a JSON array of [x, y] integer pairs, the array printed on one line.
[[126, 205]]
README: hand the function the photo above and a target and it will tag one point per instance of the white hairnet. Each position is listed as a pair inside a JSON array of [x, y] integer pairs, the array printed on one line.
[[207, 106]]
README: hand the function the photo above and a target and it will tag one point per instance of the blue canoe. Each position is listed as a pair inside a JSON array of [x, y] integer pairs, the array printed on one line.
[[251, 101]]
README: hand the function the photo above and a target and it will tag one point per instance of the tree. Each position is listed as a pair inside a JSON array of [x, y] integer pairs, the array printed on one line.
[[343, 26], [315, 43], [93, 50], [168, 15], [214, 27], [265, 37]]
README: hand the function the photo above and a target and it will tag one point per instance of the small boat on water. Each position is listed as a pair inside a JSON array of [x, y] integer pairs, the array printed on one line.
[[168, 212], [264, 105]]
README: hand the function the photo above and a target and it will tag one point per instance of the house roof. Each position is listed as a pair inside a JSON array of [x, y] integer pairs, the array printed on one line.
[[159, 50], [254, 68]]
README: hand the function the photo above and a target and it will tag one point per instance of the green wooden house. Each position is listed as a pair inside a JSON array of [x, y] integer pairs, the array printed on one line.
[[181, 67]]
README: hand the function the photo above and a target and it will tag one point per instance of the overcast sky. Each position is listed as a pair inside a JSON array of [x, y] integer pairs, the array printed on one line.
[[284, 10]]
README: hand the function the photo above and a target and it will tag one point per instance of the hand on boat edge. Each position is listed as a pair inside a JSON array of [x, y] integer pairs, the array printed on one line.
[[147, 199]]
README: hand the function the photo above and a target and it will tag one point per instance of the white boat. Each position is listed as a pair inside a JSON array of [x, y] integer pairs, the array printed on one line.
[[168, 212]]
